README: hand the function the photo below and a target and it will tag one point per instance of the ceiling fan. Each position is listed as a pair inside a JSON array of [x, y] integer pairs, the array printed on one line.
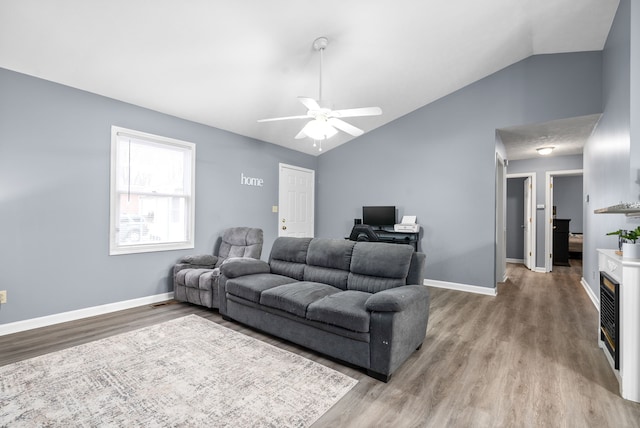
[[326, 122]]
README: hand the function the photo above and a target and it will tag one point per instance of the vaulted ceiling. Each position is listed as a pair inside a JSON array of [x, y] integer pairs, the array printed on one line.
[[229, 63]]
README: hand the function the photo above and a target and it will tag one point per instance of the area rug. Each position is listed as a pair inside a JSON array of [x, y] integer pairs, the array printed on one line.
[[184, 372]]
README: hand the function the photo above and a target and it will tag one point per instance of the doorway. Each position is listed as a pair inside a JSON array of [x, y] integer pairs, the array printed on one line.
[[296, 200], [521, 219], [549, 210]]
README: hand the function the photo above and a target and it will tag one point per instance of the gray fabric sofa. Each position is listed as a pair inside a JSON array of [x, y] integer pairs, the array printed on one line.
[[359, 302], [195, 277]]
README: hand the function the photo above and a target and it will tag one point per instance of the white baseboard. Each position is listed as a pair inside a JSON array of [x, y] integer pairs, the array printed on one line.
[[539, 269], [461, 287], [18, 326], [517, 261], [594, 299]]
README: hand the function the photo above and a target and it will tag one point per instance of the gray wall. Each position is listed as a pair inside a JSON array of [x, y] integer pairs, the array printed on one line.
[[438, 162], [541, 166], [611, 155], [54, 196], [515, 218], [568, 200]]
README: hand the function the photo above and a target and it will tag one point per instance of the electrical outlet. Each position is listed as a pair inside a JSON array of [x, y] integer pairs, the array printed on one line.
[[3, 296]]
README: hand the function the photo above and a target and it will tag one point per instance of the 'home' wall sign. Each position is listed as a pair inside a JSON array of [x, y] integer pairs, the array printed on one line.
[[251, 181]]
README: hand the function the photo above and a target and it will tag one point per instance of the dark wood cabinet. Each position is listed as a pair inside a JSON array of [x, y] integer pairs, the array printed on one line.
[[561, 242]]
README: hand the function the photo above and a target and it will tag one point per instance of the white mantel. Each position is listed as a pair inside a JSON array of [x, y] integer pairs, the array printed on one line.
[[627, 273]]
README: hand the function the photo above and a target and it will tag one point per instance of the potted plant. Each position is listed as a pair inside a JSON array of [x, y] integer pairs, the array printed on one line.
[[627, 242]]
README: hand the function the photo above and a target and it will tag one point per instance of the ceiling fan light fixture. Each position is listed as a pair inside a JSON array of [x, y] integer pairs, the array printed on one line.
[[543, 151], [319, 130]]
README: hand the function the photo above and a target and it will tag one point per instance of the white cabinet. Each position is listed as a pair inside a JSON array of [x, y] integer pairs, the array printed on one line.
[[627, 273]]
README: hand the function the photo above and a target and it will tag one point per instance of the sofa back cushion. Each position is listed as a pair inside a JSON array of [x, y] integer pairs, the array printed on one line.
[[328, 261], [240, 242], [379, 266], [288, 256]]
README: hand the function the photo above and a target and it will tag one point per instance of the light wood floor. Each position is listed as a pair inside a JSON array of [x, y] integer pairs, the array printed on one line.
[[526, 358]]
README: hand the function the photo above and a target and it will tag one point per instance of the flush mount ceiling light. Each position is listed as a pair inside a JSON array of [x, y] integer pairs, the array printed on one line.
[[325, 122], [543, 151]]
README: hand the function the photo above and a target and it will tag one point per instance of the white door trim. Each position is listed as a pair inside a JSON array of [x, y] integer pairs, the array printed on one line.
[[500, 272], [532, 232], [548, 213]]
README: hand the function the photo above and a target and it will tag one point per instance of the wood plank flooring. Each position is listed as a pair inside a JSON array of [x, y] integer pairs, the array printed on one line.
[[526, 358]]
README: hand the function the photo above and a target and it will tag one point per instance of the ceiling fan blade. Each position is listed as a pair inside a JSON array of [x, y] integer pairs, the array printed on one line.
[[345, 127], [300, 135], [309, 103], [283, 118], [353, 112]]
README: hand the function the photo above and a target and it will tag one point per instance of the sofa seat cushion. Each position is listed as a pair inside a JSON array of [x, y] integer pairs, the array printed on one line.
[[345, 309], [197, 278], [250, 287], [296, 297]]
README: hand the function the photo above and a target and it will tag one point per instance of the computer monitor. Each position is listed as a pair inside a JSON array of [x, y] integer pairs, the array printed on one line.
[[379, 216]]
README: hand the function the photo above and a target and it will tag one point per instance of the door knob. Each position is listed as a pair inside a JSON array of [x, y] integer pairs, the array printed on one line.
[[284, 227]]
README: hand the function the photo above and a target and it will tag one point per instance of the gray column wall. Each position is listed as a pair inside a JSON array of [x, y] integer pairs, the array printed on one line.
[[611, 156]]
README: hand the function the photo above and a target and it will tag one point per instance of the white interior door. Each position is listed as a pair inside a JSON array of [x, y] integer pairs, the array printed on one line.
[[528, 225], [296, 201]]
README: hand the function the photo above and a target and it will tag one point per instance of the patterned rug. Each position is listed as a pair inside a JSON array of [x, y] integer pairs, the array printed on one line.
[[184, 372]]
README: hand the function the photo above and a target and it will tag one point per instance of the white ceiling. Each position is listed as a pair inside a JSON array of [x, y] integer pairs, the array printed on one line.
[[566, 136], [229, 63]]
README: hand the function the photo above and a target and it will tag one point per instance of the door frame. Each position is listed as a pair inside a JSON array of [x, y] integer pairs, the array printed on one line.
[[532, 202], [548, 213], [313, 194], [500, 271]]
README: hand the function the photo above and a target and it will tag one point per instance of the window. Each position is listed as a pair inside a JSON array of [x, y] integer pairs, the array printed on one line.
[[152, 193]]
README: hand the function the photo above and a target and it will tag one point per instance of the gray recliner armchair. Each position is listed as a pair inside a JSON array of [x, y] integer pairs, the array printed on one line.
[[195, 277]]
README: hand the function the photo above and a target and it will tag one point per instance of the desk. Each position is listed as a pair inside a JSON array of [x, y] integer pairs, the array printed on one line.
[[393, 237]]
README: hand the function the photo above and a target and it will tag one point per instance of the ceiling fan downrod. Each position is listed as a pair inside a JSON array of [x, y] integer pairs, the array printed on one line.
[[320, 44]]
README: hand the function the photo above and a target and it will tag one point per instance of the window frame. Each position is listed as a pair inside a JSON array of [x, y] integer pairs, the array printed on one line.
[[116, 248]]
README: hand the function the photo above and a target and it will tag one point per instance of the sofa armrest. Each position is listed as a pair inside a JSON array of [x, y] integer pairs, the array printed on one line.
[[396, 334], [396, 299], [200, 260], [233, 268]]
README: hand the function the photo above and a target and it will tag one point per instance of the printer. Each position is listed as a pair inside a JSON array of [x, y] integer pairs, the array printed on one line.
[[407, 225]]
